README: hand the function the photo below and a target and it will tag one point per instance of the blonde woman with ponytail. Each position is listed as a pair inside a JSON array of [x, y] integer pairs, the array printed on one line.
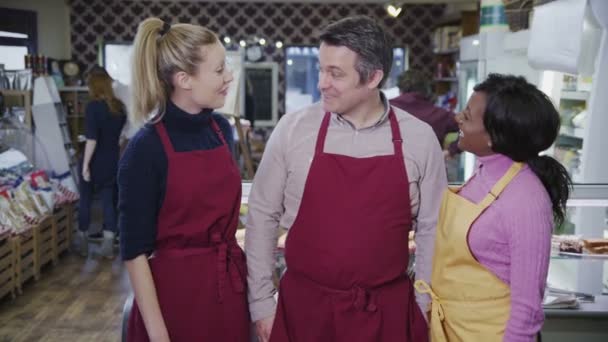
[[180, 192]]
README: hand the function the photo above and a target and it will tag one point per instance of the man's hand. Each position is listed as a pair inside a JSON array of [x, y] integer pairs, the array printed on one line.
[[263, 328]]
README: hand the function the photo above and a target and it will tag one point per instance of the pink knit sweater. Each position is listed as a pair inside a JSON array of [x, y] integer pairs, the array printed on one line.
[[512, 238]]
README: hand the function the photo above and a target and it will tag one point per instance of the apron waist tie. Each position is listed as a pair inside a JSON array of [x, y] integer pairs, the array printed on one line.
[[437, 313], [436, 308], [362, 298], [228, 251], [228, 254]]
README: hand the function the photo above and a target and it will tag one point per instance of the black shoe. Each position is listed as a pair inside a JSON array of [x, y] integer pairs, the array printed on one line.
[[96, 236]]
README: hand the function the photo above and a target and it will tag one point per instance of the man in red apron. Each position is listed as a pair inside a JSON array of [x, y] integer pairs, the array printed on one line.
[[347, 165]]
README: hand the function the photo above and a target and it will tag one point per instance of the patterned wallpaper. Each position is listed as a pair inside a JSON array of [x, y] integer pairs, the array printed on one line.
[[291, 23]]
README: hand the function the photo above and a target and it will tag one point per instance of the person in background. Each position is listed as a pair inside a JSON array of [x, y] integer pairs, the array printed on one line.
[[492, 249], [104, 121], [180, 192], [415, 98], [349, 178], [123, 93]]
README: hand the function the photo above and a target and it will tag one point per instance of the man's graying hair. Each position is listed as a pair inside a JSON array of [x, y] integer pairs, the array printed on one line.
[[366, 38]]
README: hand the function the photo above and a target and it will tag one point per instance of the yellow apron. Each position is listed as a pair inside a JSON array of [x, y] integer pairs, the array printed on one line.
[[469, 303]]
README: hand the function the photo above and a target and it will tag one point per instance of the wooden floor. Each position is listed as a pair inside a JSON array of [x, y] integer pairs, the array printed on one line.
[[77, 300]]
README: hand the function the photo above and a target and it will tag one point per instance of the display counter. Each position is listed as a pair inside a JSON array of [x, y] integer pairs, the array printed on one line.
[[585, 273]]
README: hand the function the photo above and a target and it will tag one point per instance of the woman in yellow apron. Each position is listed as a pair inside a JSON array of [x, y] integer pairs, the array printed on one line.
[[494, 233]]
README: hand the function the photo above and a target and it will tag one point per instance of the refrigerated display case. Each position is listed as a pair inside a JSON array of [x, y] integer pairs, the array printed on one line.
[[583, 274]]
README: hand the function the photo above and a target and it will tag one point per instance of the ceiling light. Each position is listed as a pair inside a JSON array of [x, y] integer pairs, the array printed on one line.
[[242, 43], [279, 44], [227, 40], [393, 10], [262, 41]]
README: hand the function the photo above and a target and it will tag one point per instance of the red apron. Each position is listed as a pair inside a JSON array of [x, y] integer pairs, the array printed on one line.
[[198, 268], [347, 252]]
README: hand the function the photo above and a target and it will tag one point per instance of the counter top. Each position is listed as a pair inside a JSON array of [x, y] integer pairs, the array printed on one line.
[[597, 309]]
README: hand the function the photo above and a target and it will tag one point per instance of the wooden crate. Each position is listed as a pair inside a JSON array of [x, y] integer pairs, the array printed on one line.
[[25, 249], [47, 241], [63, 217], [7, 267]]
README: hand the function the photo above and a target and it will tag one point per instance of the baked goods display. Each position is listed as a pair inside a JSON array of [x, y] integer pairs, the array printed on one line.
[[567, 243], [596, 246], [575, 244]]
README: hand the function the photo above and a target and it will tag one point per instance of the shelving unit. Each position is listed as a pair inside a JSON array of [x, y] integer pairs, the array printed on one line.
[[574, 95], [446, 47], [53, 131], [571, 100], [74, 100], [20, 98]]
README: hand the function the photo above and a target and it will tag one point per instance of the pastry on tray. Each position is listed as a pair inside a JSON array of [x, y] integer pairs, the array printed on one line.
[[596, 246], [568, 243]]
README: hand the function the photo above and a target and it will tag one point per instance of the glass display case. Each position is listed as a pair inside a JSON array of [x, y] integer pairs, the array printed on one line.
[[587, 218], [583, 275]]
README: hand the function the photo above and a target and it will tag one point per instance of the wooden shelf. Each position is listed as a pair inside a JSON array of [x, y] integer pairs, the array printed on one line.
[[14, 92], [453, 19], [446, 79], [74, 88], [572, 132], [447, 52]]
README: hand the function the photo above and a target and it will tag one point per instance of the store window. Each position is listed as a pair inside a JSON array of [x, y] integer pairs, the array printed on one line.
[[12, 57], [18, 37], [117, 61], [302, 75]]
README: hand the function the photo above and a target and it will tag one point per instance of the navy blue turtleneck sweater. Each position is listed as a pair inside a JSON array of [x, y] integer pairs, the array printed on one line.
[[142, 173]]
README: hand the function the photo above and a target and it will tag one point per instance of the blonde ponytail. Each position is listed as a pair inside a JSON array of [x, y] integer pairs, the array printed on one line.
[[159, 52], [148, 92]]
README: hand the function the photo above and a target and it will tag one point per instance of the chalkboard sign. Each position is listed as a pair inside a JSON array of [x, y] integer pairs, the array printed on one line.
[[261, 81]]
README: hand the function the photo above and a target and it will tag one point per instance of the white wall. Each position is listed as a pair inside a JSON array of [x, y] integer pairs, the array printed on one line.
[[53, 25]]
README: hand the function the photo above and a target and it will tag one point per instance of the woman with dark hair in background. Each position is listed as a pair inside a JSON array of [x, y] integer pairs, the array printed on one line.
[[104, 121], [494, 233]]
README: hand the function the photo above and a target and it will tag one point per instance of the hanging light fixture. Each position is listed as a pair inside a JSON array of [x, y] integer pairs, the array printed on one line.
[[393, 9]]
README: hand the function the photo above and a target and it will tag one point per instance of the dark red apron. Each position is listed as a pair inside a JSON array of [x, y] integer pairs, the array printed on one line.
[[199, 270], [347, 253]]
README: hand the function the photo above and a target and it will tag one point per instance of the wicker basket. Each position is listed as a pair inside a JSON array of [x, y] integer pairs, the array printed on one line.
[[518, 13]]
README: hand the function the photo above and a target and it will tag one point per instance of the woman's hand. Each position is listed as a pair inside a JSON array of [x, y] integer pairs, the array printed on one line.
[[86, 173]]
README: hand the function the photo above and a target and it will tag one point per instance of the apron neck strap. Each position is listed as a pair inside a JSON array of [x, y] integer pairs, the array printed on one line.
[[322, 134], [501, 184], [397, 140], [218, 131], [164, 137], [396, 132]]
